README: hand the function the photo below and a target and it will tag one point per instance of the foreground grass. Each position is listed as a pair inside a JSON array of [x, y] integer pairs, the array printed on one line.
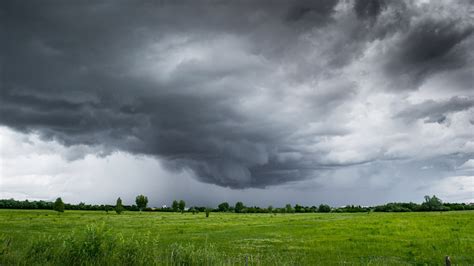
[[88, 237]]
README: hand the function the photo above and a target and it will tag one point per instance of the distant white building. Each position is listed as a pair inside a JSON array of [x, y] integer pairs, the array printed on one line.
[[164, 206]]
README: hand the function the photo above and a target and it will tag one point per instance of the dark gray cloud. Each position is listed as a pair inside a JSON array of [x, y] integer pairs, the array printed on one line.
[[433, 111], [430, 45], [368, 9], [244, 94], [318, 11]]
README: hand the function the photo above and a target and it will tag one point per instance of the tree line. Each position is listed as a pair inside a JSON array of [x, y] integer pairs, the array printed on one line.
[[432, 203]]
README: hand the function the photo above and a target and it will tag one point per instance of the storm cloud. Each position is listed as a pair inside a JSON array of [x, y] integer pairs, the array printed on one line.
[[244, 94]]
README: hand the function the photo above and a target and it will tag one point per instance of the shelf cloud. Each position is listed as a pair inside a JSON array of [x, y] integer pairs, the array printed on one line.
[[246, 94]]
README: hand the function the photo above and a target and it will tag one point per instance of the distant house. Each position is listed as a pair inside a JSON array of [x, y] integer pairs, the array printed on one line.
[[164, 206]]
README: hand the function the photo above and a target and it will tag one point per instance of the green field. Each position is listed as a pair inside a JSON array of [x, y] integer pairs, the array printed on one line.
[[88, 237]]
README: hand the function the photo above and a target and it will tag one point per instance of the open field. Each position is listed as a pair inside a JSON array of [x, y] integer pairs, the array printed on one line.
[[89, 237]]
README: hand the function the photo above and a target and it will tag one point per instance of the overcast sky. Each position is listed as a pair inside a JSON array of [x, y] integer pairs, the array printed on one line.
[[266, 102]]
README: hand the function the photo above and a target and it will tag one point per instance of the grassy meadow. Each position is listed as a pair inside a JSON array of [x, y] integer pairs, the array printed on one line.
[[42, 237]]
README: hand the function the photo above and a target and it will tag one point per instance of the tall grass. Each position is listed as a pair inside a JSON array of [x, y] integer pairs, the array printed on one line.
[[96, 245]]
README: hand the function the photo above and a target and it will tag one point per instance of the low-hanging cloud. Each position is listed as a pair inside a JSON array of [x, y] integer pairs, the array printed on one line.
[[243, 94]]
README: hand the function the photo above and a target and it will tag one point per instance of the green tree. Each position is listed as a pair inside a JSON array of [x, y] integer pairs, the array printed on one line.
[[288, 208], [432, 204], [270, 209], [181, 205], [223, 207], [141, 202], [118, 206], [239, 206], [299, 208], [324, 208], [175, 206], [58, 205], [207, 212]]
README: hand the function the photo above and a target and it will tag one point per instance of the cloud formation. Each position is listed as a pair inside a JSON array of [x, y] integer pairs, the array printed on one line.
[[244, 94]]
